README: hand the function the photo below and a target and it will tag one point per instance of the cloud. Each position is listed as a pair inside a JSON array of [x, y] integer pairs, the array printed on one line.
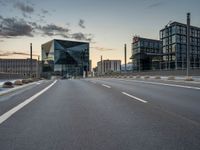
[[12, 27], [44, 11], [155, 4], [3, 2], [53, 30], [24, 8], [22, 53], [82, 36], [81, 23], [102, 48], [10, 53]]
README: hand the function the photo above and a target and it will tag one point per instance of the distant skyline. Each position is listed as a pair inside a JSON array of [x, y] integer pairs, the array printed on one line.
[[106, 24]]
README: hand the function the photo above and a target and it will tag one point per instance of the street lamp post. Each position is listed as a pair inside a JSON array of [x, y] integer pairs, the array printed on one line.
[[31, 66], [125, 57], [188, 43], [101, 65]]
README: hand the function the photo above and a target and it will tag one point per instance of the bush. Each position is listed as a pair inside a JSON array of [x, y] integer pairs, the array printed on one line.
[[157, 77], [8, 84], [25, 81], [138, 76], [189, 79], [171, 78], [18, 82], [30, 80], [146, 77]]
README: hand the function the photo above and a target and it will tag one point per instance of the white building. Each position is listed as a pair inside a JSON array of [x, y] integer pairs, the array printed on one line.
[[107, 66]]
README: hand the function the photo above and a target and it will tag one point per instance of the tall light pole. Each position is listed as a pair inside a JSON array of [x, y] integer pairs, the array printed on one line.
[[188, 43], [125, 56], [38, 67], [31, 54], [101, 65]]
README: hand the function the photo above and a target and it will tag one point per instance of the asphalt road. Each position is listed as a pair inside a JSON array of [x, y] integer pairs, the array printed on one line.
[[102, 114]]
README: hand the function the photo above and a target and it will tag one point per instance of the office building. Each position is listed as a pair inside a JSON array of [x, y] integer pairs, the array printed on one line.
[[65, 58], [146, 53], [20, 67], [108, 66], [174, 41]]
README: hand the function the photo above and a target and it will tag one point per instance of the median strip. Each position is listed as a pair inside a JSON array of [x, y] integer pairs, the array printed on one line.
[[106, 86], [9, 113], [136, 98]]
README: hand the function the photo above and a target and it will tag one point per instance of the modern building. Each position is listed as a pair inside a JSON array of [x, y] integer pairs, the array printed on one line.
[[146, 53], [20, 67], [174, 41], [66, 58], [108, 66]]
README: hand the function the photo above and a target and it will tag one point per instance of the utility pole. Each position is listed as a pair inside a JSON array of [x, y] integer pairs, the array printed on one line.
[[101, 65], [31, 54], [125, 56], [188, 43], [38, 67]]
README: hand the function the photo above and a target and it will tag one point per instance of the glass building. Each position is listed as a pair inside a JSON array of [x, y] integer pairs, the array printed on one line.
[[146, 54], [174, 41], [65, 58]]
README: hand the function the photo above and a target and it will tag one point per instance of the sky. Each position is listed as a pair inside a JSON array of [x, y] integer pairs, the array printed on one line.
[[106, 24]]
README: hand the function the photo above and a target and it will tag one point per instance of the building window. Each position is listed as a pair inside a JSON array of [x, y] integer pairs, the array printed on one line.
[[183, 39], [178, 38], [173, 48], [183, 30], [183, 48], [178, 29], [174, 39], [165, 58], [174, 30]]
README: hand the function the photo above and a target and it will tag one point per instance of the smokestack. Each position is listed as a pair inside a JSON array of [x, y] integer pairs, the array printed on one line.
[[188, 43], [31, 54], [125, 56]]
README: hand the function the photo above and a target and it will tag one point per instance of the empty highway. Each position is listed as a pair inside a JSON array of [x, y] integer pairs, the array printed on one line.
[[101, 114]]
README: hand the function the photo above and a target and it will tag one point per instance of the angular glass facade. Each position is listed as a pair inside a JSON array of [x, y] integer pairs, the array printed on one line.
[[174, 39], [65, 58]]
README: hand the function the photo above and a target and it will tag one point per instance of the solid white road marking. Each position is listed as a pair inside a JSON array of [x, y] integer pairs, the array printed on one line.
[[9, 113], [158, 83], [106, 86], [136, 98]]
